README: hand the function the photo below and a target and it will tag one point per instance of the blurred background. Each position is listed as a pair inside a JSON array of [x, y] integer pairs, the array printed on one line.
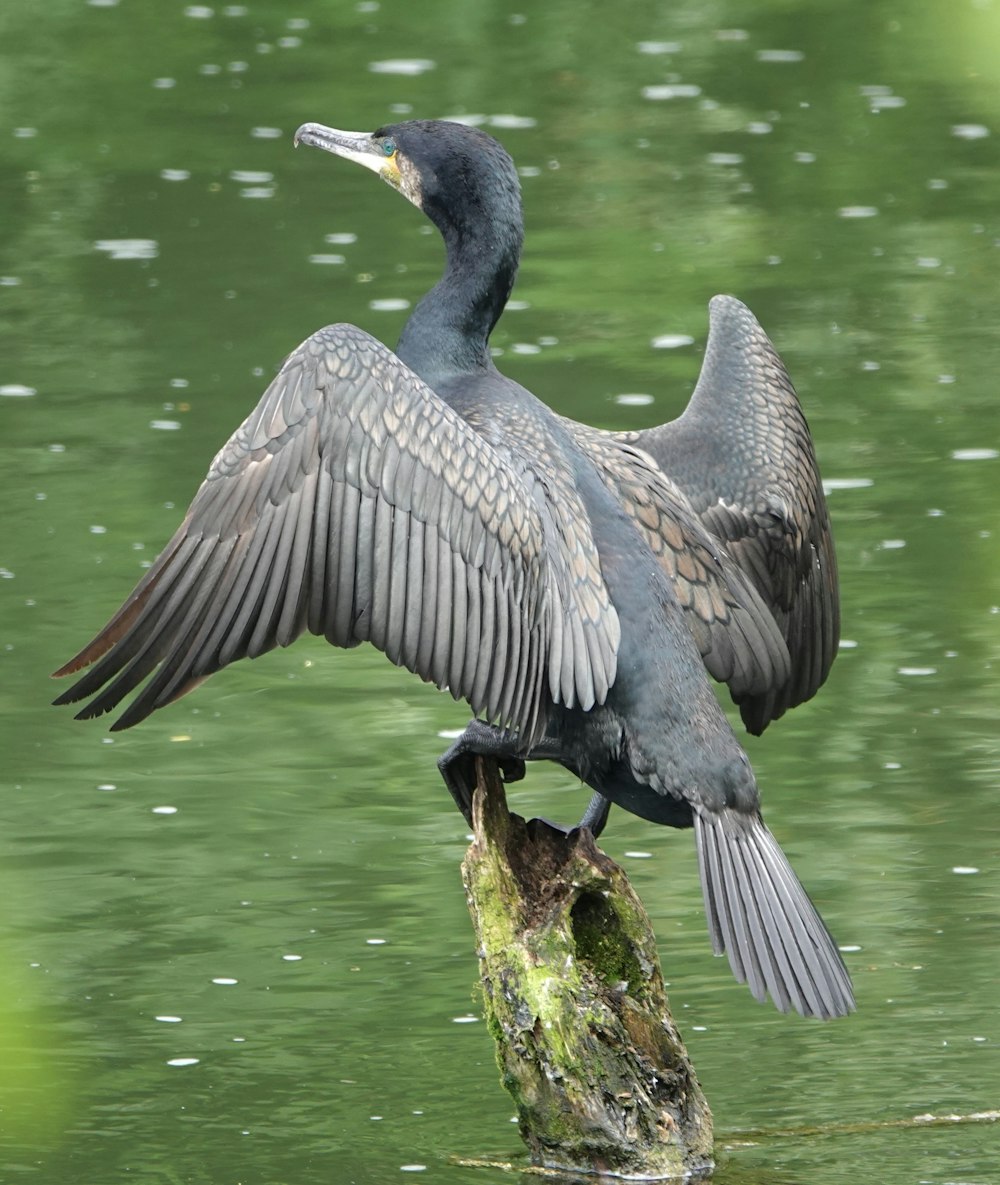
[[233, 942]]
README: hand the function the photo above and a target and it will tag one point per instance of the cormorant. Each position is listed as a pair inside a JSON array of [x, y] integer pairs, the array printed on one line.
[[571, 585]]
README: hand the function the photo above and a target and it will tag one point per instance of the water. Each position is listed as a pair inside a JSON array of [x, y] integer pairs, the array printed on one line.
[[274, 980]]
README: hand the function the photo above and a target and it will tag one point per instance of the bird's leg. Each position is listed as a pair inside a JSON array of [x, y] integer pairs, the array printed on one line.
[[458, 768], [596, 814], [458, 765], [594, 817]]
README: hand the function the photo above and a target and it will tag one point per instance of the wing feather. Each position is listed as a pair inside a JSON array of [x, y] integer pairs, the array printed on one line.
[[353, 502], [743, 455]]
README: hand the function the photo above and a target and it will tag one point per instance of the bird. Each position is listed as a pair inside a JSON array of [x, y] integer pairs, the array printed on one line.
[[575, 587]]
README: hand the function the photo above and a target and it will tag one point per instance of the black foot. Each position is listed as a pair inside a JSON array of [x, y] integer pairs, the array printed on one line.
[[594, 818], [458, 765]]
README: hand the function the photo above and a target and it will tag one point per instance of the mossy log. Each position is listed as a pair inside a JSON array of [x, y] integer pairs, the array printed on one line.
[[575, 1001]]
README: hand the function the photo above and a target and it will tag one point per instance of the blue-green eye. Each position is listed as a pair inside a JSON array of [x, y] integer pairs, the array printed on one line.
[[389, 147]]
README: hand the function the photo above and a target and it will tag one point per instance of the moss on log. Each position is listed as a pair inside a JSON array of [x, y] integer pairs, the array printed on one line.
[[575, 1001]]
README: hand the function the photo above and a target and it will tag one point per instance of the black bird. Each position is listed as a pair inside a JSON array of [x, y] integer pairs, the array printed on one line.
[[552, 576]]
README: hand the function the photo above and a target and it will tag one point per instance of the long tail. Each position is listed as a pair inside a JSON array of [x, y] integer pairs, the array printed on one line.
[[763, 920]]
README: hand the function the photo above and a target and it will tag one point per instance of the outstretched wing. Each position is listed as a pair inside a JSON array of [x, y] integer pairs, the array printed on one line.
[[736, 634], [355, 503], [743, 456]]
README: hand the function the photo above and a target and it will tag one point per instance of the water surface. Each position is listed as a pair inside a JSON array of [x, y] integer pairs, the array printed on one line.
[[234, 944]]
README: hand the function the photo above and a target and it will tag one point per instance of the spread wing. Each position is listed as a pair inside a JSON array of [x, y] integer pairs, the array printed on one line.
[[742, 455], [736, 634], [353, 502]]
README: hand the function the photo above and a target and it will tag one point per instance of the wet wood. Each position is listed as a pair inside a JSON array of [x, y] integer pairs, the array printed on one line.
[[575, 1001]]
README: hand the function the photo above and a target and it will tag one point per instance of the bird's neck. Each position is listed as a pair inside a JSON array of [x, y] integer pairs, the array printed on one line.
[[447, 334]]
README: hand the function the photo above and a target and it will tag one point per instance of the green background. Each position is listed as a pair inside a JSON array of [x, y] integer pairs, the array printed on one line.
[[848, 192]]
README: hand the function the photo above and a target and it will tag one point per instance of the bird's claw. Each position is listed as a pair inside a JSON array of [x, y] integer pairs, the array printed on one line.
[[512, 769]]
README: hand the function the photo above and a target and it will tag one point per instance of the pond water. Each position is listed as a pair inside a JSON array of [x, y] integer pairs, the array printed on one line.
[[233, 942]]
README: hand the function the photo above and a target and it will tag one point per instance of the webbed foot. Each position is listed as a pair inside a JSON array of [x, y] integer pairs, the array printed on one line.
[[458, 764]]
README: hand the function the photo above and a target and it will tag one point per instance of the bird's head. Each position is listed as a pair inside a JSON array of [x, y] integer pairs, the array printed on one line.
[[458, 175]]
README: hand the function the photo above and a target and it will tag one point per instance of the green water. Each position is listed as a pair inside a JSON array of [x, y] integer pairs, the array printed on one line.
[[848, 191]]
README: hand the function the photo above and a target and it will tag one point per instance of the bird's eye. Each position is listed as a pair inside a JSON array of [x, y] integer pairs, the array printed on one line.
[[388, 147]]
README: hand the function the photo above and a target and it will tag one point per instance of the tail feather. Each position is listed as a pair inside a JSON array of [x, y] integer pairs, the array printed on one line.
[[760, 916]]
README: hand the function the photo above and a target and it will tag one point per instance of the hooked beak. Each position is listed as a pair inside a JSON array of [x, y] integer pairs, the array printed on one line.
[[356, 146]]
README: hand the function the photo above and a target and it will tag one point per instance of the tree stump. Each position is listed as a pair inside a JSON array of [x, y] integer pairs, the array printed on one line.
[[575, 1001]]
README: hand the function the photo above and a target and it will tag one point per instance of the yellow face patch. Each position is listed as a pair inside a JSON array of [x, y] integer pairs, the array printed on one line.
[[390, 171], [405, 177]]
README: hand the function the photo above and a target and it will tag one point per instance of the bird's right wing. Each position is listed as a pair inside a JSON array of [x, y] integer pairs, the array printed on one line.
[[355, 503], [743, 456], [737, 636]]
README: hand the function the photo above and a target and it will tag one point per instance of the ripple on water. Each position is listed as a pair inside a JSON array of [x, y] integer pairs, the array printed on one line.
[[846, 483], [17, 391], [633, 399], [391, 304], [409, 66], [779, 55], [676, 90], [858, 212], [975, 454], [671, 341], [970, 131], [659, 47], [128, 248], [508, 122]]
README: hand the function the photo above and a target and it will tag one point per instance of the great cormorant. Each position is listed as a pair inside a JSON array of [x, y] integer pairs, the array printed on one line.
[[571, 585]]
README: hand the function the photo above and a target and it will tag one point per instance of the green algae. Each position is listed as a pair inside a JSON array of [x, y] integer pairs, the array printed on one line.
[[575, 1002]]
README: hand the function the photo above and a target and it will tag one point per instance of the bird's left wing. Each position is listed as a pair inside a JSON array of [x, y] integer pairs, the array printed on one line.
[[355, 503]]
